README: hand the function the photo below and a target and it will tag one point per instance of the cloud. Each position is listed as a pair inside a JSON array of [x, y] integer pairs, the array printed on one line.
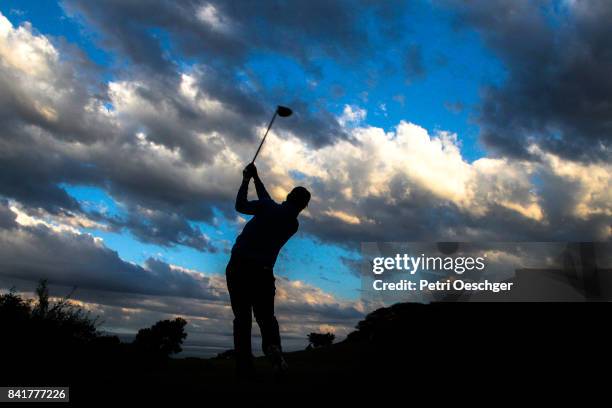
[[163, 228], [558, 91], [42, 89], [7, 217], [57, 132], [225, 36], [169, 149], [151, 142], [410, 184], [36, 250], [228, 31], [352, 115], [222, 37]]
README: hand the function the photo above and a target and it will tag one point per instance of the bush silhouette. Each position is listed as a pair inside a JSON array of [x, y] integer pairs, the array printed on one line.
[[58, 342], [14, 310], [317, 340], [163, 338], [53, 320]]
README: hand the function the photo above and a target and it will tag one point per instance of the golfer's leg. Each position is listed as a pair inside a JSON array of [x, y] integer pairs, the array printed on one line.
[[241, 306], [263, 308]]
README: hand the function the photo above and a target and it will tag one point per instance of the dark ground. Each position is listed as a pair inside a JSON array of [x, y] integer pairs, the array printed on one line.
[[396, 349]]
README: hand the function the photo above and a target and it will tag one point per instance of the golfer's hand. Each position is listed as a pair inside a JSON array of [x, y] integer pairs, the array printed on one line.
[[249, 171]]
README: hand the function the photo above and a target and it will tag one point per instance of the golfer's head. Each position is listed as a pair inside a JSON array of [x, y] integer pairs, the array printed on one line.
[[299, 197]]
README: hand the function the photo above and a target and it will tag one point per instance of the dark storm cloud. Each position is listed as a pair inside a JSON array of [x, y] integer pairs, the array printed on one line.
[[226, 31], [37, 252], [7, 217], [162, 228], [318, 128], [173, 120], [558, 91], [223, 35], [31, 175], [159, 198]]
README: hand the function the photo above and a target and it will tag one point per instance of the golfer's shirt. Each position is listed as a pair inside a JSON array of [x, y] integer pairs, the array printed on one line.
[[265, 234]]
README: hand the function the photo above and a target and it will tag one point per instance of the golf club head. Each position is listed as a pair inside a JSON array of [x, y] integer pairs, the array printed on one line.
[[283, 111]]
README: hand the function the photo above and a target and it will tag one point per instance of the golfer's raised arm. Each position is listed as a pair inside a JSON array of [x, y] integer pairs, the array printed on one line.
[[243, 205], [262, 194]]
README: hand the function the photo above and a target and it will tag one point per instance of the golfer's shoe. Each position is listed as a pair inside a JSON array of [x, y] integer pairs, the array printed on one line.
[[276, 358]]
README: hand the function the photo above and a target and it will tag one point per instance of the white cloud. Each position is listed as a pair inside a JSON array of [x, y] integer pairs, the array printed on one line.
[[367, 166], [22, 50], [343, 216], [63, 222], [352, 115], [370, 164], [210, 16]]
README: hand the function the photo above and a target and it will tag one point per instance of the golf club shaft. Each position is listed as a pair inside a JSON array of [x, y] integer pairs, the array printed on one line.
[[264, 138]]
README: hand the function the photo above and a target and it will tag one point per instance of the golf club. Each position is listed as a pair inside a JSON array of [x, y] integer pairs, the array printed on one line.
[[281, 111]]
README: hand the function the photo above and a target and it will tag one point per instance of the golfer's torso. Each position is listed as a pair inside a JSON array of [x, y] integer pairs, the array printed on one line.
[[265, 234]]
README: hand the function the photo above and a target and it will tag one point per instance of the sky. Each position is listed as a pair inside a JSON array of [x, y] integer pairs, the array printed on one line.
[[126, 125]]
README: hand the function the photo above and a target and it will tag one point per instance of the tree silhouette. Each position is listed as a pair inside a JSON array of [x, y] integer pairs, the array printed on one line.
[[42, 291], [163, 338]]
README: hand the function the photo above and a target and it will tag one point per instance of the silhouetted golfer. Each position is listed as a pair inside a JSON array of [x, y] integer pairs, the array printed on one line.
[[249, 273]]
